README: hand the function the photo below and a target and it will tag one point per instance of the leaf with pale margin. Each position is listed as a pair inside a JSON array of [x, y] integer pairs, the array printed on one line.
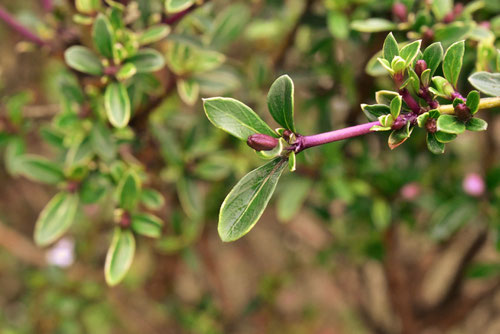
[[55, 218], [248, 199], [488, 83], [147, 60], [452, 62], [83, 60], [280, 102], [102, 35], [117, 104], [433, 55], [120, 256], [390, 48], [235, 118]]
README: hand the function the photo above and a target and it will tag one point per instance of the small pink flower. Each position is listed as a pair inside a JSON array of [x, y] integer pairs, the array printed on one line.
[[473, 184], [410, 191], [62, 253]]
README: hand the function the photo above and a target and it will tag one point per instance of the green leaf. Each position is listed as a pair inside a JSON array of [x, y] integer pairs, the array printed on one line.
[[381, 214], [444, 137], [373, 25], [433, 55], [152, 199], [410, 51], [55, 218], [129, 190], [395, 106], [39, 169], [103, 142], [488, 83], [146, 224], [235, 118], [434, 145], [472, 102], [126, 72], [229, 24], [84, 60], [291, 198], [398, 137], [190, 198], [390, 48], [147, 60], [246, 202], [117, 104], [120, 256], [476, 124], [175, 6], [292, 162], [452, 63], [338, 24], [280, 102], [103, 36], [441, 7], [374, 111], [154, 34], [450, 124], [188, 90], [16, 147], [88, 6]]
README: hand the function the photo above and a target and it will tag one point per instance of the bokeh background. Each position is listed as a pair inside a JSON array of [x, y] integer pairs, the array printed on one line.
[[361, 239]]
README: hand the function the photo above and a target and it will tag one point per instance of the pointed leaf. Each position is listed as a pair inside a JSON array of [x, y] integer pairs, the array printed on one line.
[[154, 34], [120, 256], [188, 91], [433, 55], [452, 63], [39, 169], [395, 106], [129, 190], [280, 102], [247, 201], [103, 37], [235, 118], [390, 48], [410, 51], [152, 199], [55, 218]]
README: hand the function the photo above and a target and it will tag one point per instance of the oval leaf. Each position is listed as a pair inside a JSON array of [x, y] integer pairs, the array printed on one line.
[[246, 202], [147, 60], [117, 104], [39, 169], [147, 225], [154, 34], [450, 124], [452, 62], [235, 117], [120, 256], [83, 59], [55, 218], [280, 102], [488, 83], [129, 190], [175, 6], [102, 35]]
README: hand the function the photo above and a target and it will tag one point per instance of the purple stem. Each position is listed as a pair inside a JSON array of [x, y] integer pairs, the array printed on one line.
[[304, 142], [47, 5], [409, 100], [22, 30]]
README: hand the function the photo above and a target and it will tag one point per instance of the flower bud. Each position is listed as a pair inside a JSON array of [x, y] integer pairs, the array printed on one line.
[[262, 142], [431, 125], [463, 112], [420, 66], [399, 10]]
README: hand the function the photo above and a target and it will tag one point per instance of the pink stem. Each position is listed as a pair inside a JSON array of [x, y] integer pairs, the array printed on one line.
[[336, 135], [22, 30]]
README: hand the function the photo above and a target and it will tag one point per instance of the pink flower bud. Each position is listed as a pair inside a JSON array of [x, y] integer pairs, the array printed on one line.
[[399, 10], [262, 142], [410, 191], [420, 66], [473, 185]]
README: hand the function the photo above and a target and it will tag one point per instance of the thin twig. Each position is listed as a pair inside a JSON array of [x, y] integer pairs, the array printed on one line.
[[21, 29]]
